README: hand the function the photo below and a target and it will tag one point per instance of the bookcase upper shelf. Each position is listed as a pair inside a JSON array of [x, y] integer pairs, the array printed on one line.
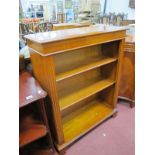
[[83, 68]]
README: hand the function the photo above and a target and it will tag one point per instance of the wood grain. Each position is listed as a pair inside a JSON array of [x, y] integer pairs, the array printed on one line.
[[94, 64], [46, 77], [29, 87], [62, 35], [64, 40], [83, 93], [127, 84], [84, 118], [31, 133], [118, 72], [80, 70]]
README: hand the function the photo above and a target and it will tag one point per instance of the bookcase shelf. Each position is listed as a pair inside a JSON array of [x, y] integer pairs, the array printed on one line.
[[87, 114], [94, 63], [85, 118], [79, 69], [88, 90]]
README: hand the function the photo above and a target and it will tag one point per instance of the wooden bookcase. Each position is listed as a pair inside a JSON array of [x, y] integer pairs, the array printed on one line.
[[79, 68]]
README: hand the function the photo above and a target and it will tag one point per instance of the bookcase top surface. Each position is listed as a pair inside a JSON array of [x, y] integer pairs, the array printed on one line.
[[59, 35]]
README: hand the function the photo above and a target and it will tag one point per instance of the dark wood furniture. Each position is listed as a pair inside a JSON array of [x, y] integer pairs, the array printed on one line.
[[33, 120], [127, 82], [24, 30], [79, 68], [43, 27], [119, 19], [127, 22]]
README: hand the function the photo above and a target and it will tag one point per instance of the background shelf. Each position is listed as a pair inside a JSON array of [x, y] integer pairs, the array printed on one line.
[[30, 131]]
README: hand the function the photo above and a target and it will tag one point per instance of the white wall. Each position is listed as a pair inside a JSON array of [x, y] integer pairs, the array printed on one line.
[[119, 6]]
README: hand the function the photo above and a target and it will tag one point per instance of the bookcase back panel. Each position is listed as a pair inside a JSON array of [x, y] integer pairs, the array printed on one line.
[[79, 119], [78, 105], [107, 95], [104, 96], [80, 57], [73, 59], [110, 49], [80, 81], [109, 71]]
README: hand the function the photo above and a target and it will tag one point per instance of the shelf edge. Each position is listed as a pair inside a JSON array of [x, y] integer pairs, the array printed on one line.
[[60, 78]]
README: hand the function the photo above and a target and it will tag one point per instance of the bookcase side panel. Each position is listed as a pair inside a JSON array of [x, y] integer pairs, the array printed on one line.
[[44, 72], [118, 72]]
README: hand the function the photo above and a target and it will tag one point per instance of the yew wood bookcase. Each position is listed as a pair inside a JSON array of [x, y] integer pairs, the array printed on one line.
[[80, 69]]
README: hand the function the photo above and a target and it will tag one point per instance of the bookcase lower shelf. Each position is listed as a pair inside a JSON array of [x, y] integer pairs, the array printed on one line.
[[79, 122]]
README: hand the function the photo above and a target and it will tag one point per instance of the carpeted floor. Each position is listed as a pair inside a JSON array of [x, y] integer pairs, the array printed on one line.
[[116, 136]]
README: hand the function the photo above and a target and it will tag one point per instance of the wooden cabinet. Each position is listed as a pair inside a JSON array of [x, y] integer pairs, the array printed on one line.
[[79, 68], [127, 82], [33, 121]]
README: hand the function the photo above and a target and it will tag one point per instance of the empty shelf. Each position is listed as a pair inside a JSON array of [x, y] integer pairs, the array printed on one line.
[[83, 93], [31, 132], [81, 120], [97, 62]]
